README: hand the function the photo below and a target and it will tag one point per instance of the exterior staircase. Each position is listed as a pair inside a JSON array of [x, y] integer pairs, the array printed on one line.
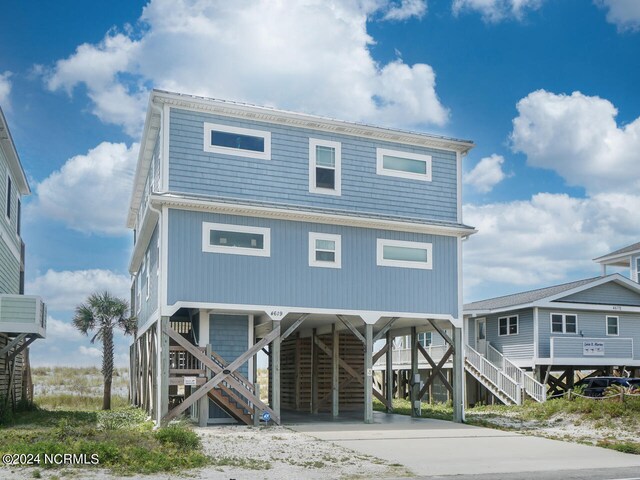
[[506, 381]]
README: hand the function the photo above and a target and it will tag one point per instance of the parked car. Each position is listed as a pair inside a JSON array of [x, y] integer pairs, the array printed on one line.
[[595, 386]]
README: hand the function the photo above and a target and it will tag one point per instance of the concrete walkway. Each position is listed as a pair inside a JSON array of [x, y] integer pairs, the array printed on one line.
[[436, 447]]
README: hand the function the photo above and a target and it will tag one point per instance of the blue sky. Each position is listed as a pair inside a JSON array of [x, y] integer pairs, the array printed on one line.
[[547, 89]]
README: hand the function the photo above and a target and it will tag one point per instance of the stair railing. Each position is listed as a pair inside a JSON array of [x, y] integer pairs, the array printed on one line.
[[533, 388], [493, 375]]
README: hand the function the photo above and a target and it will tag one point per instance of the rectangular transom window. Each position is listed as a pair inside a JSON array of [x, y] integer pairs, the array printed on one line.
[[612, 325], [236, 239], [508, 325], [393, 163], [564, 323], [396, 253], [325, 250], [325, 166], [237, 141]]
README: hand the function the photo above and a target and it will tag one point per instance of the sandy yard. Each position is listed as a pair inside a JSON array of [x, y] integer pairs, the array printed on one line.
[[243, 453]]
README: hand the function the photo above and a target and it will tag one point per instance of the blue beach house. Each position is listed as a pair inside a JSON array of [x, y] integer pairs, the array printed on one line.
[[306, 238]]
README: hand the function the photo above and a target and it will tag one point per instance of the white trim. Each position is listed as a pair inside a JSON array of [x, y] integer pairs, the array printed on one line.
[[164, 148], [337, 263], [612, 258], [9, 240], [148, 265], [207, 227], [203, 328], [337, 146], [507, 318], [459, 185], [164, 248], [591, 361], [369, 316], [382, 170], [564, 323], [536, 332], [384, 262], [606, 325], [7, 198], [237, 152], [250, 343]]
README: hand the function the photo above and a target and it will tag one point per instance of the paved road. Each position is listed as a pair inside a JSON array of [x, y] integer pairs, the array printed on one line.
[[628, 473], [436, 448]]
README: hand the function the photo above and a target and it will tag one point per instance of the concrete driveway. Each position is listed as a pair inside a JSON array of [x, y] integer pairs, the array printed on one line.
[[435, 447]]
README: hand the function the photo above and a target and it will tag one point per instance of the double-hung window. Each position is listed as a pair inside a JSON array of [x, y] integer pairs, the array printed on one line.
[[396, 253], [508, 325], [325, 250], [325, 164], [612, 326], [236, 239], [564, 323], [148, 263], [425, 339], [394, 163], [243, 142]]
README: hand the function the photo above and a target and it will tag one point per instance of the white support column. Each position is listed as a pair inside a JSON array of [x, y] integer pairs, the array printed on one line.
[[275, 373], [458, 376], [368, 373]]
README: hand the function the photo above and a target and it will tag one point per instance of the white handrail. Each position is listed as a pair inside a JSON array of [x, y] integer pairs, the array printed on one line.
[[507, 385], [534, 389]]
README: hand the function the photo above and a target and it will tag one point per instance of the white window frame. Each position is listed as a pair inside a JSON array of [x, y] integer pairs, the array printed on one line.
[[507, 318], [265, 135], [337, 146], [207, 227], [383, 262], [564, 323], [606, 325], [313, 236], [380, 170]]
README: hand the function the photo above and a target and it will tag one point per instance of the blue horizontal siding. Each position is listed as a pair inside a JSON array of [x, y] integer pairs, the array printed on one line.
[[286, 279], [605, 294], [518, 346], [285, 178]]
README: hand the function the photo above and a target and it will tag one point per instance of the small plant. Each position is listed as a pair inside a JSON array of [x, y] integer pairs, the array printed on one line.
[[179, 436]]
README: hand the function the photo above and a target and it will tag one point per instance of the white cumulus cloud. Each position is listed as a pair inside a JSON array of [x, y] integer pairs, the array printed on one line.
[[5, 88], [494, 11], [309, 56], [406, 9], [486, 174], [548, 239], [65, 290], [89, 351], [625, 14], [91, 192], [577, 136], [61, 330]]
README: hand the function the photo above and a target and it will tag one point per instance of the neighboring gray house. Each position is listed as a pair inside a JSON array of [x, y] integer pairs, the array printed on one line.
[[306, 237], [22, 317], [591, 324], [628, 257]]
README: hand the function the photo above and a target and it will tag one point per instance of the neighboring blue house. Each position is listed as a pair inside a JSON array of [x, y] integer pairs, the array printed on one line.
[[540, 338], [306, 237], [22, 318], [627, 257]]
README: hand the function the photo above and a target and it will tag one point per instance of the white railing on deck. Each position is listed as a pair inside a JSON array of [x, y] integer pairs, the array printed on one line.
[[507, 385], [533, 388], [402, 356]]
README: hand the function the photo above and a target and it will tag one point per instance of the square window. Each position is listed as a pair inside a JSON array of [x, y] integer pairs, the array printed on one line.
[[508, 325], [325, 250]]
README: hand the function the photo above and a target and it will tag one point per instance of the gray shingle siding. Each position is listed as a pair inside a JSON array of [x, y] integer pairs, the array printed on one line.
[[285, 178]]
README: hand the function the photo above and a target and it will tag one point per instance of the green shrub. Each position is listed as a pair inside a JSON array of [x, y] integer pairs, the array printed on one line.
[[179, 436]]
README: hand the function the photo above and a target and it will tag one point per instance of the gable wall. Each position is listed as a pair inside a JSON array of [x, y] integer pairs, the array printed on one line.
[[606, 294]]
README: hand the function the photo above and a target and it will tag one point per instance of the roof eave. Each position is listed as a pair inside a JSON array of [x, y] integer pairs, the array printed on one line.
[[15, 165]]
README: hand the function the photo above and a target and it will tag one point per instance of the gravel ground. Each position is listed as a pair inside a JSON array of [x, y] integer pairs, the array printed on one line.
[[244, 453]]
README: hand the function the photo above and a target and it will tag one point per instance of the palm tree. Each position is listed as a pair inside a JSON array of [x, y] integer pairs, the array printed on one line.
[[103, 312]]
